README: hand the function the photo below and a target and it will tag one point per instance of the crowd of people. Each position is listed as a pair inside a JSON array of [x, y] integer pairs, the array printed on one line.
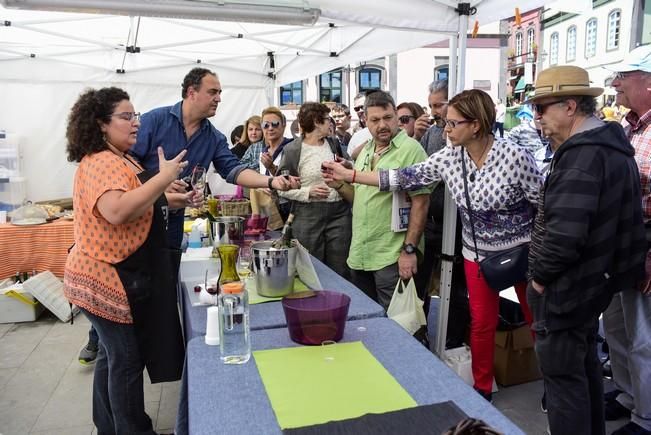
[[572, 188]]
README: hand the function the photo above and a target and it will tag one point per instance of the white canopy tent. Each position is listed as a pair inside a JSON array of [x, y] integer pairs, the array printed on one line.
[[47, 58]]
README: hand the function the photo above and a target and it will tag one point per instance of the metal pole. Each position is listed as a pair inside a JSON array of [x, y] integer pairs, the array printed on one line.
[[456, 84]]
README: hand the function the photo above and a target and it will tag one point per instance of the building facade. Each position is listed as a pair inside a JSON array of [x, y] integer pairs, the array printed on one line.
[[405, 75], [596, 38], [522, 62]]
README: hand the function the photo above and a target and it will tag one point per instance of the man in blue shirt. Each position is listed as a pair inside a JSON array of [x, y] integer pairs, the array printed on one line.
[[185, 126]]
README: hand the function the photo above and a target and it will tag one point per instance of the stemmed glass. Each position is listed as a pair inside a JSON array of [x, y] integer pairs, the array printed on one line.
[[198, 180]]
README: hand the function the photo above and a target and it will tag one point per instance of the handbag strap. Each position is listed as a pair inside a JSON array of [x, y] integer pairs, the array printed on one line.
[[465, 190]]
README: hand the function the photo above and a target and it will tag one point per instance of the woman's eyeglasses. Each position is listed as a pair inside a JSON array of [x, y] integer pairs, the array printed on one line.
[[273, 124], [128, 116], [452, 123], [404, 119]]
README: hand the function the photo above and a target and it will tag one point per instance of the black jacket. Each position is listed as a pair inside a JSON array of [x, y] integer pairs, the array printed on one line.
[[592, 241]]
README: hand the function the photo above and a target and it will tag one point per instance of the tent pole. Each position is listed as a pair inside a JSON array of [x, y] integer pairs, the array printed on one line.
[[456, 83]]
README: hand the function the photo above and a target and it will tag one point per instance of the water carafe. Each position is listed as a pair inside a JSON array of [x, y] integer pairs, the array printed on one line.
[[234, 332]]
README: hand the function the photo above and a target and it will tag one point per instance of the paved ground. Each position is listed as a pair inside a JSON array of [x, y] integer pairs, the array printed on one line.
[[44, 390]]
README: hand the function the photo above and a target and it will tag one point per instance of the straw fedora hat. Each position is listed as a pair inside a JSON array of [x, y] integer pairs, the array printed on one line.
[[564, 81]]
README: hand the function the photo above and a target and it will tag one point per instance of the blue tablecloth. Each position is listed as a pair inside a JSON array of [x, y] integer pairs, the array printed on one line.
[[270, 314], [262, 316], [232, 399]]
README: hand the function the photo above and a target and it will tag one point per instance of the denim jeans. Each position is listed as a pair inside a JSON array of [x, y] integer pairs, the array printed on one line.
[[118, 397]]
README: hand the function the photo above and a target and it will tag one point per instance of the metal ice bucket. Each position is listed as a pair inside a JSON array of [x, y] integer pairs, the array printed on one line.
[[274, 269], [226, 230]]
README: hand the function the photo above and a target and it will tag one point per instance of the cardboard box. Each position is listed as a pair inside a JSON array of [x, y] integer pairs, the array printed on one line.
[[18, 306], [515, 358]]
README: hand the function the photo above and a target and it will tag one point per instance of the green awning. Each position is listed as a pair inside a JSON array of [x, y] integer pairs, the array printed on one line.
[[520, 86]]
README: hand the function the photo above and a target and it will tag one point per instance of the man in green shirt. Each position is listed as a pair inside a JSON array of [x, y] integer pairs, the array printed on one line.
[[378, 256]]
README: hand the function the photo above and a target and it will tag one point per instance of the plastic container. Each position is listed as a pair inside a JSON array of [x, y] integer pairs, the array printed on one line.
[[9, 155], [316, 319], [234, 329], [13, 193]]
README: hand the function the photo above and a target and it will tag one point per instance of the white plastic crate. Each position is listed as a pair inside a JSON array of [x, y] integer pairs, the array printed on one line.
[[16, 305]]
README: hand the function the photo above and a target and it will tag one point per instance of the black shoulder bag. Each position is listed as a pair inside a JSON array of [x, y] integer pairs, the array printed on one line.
[[500, 269]]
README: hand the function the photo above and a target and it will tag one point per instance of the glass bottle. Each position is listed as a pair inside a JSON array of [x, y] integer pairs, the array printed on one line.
[[234, 329], [228, 256], [285, 240]]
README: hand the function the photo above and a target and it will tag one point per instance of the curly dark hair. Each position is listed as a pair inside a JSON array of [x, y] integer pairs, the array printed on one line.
[[83, 132], [193, 78], [310, 115]]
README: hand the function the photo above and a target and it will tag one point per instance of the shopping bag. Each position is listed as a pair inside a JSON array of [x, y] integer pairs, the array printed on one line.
[[262, 203], [406, 308]]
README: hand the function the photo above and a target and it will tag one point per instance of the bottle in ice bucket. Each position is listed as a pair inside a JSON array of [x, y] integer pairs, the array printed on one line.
[[228, 256], [234, 338]]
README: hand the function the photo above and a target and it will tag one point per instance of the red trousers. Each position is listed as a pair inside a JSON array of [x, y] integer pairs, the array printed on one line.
[[484, 311]]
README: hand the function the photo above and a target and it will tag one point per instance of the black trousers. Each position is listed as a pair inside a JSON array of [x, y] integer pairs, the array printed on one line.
[[571, 372]]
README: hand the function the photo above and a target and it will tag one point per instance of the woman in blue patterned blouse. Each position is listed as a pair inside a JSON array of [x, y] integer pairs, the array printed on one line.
[[503, 184]]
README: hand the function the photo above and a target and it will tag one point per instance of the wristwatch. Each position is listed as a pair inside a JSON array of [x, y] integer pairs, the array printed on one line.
[[269, 181], [409, 248]]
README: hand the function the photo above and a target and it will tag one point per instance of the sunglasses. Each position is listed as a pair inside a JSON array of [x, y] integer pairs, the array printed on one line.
[[358, 108], [404, 119], [540, 108], [452, 123], [128, 116], [273, 124]]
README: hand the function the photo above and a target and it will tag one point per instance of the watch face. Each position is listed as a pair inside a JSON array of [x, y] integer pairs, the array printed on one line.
[[410, 249]]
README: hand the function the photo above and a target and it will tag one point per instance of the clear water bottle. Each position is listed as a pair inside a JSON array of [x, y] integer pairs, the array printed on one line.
[[234, 331]]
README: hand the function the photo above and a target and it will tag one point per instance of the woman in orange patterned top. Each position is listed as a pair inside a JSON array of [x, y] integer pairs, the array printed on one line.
[[118, 271]]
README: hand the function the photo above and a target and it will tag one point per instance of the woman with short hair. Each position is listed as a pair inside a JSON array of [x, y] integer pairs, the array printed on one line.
[[503, 184], [323, 222]]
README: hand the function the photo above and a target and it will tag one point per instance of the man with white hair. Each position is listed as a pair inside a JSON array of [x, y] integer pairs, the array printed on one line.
[[588, 242], [627, 321]]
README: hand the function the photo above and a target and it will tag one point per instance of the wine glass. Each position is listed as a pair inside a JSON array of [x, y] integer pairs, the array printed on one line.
[[244, 262], [198, 180]]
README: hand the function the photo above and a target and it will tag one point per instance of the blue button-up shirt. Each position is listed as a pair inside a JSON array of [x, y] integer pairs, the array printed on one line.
[[164, 127]]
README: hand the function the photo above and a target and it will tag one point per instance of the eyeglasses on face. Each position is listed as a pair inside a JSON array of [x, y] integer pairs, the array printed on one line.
[[358, 108], [270, 124], [404, 119], [452, 123], [128, 116], [623, 74], [540, 108]]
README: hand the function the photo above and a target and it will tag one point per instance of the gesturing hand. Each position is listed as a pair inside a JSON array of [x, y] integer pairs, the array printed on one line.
[[171, 169]]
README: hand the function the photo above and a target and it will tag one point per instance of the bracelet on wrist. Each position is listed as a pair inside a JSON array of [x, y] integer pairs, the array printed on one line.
[[269, 183], [354, 174]]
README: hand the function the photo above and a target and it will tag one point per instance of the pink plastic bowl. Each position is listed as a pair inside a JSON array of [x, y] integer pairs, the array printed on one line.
[[317, 319]]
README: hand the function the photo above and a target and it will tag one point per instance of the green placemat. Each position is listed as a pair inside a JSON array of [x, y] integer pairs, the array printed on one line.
[[255, 298], [316, 384]]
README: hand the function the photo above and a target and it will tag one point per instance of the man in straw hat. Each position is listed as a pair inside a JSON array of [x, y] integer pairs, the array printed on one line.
[[587, 243], [627, 321]]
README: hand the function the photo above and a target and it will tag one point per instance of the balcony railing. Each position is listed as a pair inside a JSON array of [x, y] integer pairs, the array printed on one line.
[[519, 60]]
